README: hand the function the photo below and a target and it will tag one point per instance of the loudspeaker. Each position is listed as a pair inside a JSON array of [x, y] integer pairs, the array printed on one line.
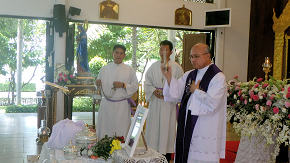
[[74, 11], [59, 18], [59, 11]]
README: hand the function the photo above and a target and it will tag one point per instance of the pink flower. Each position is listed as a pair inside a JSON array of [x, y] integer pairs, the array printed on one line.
[[289, 116], [255, 97], [288, 89], [60, 79], [282, 89], [236, 77], [256, 85], [246, 102], [65, 75], [265, 85], [71, 76], [272, 97], [240, 92], [260, 79], [257, 106], [66, 79], [264, 95], [288, 95], [287, 104], [241, 98], [269, 103], [60, 74], [90, 145], [276, 110], [251, 93]]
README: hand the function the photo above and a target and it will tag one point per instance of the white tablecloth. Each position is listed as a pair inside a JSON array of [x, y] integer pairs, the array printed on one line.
[[254, 150], [57, 156], [150, 156]]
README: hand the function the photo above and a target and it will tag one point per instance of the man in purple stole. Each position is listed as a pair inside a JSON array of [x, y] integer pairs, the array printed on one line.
[[201, 130]]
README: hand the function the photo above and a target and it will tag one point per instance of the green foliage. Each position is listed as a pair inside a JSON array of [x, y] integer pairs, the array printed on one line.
[[103, 45], [33, 33], [103, 147], [21, 108], [96, 64], [83, 104], [30, 87], [148, 40]]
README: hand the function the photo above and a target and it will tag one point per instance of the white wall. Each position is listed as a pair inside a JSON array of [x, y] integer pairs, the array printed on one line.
[[236, 41], [31, 8], [140, 12]]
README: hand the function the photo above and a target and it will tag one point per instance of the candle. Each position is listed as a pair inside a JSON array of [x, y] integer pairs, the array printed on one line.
[[165, 59]]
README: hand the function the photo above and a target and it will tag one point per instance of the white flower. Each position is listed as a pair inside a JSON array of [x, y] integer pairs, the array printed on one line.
[[235, 96]]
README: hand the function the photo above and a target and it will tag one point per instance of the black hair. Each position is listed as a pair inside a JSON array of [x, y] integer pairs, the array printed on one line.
[[119, 46], [166, 42]]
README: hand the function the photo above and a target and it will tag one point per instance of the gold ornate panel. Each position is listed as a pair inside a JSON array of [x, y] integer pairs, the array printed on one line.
[[280, 26]]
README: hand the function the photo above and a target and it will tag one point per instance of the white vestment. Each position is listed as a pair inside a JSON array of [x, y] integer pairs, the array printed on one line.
[[209, 135], [161, 120], [114, 117]]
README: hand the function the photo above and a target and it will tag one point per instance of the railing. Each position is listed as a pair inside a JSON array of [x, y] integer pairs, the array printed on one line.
[[24, 101]]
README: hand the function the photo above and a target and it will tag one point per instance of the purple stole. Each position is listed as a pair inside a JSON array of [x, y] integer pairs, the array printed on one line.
[[185, 130]]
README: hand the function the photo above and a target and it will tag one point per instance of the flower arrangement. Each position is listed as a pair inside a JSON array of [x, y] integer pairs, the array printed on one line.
[[260, 107], [65, 78], [105, 147]]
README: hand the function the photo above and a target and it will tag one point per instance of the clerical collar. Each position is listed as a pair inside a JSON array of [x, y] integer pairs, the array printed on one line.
[[204, 69]]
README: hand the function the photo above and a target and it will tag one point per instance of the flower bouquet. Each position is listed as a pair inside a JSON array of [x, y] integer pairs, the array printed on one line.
[[260, 107], [105, 147], [66, 78]]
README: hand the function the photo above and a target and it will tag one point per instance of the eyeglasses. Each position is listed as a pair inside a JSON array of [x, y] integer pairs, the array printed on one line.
[[196, 56]]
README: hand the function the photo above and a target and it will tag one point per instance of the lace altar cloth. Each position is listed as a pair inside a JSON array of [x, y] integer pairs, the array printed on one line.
[[254, 150], [150, 156], [48, 155]]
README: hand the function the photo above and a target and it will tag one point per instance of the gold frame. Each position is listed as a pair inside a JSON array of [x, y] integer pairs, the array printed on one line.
[[109, 10], [183, 16], [286, 55], [279, 27]]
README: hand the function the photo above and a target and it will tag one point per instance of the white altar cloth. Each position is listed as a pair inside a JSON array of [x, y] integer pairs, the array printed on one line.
[[57, 156], [254, 150], [150, 156]]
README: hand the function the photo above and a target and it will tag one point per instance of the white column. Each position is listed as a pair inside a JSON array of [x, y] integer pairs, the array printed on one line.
[[19, 61], [59, 59], [220, 40]]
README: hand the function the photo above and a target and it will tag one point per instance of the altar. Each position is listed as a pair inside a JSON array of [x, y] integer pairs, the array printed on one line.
[[120, 156], [71, 91], [80, 90]]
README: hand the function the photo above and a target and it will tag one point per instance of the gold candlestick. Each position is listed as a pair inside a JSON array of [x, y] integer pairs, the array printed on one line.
[[267, 67]]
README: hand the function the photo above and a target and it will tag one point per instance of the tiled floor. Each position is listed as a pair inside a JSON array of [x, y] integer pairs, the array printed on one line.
[[18, 132]]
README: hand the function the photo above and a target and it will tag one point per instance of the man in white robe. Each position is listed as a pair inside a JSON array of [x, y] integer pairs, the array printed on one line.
[[118, 82], [161, 120], [201, 131]]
